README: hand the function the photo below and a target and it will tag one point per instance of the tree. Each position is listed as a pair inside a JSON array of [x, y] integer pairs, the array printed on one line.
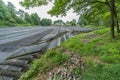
[[11, 9], [33, 3], [5, 17], [2, 10], [12, 13], [35, 19], [73, 22], [21, 13], [80, 6], [28, 19], [68, 23], [46, 22], [59, 23], [8, 16], [83, 20]]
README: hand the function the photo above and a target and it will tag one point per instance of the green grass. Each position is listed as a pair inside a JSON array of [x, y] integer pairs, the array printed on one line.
[[99, 45], [93, 26], [95, 71], [105, 63], [45, 63], [101, 32]]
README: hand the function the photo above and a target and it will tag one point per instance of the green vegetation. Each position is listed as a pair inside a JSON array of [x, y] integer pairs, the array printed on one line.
[[100, 52], [59, 23], [102, 55], [71, 23], [96, 71], [67, 23], [95, 43], [46, 22], [92, 12], [47, 61], [9, 16]]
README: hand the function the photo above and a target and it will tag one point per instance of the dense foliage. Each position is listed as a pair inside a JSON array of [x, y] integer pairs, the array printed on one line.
[[93, 12], [46, 22], [97, 12], [59, 23], [9, 16]]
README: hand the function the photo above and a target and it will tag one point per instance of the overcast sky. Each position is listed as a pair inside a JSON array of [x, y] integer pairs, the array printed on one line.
[[42, 11]]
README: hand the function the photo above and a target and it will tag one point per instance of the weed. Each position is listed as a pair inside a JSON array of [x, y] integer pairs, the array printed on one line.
[[45, 63]]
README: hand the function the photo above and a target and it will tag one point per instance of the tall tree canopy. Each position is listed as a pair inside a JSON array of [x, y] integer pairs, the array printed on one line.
[[8, 16], [35, 19], [91, 7], [33, 3], [59, 23], [28, 18], [46, 22], [21, 13]]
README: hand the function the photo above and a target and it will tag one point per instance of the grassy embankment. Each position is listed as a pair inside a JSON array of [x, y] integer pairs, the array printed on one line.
[[47, 62], [101, 55]]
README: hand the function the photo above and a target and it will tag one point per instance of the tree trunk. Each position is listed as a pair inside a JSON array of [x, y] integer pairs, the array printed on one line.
[[117, 24], [112, 26], [112, 19], [116, 19]]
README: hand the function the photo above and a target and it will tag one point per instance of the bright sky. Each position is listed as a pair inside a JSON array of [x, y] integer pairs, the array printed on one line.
[[42, 11]]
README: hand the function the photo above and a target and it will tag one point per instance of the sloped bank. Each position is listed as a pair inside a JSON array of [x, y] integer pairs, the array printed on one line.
[[101, 56]]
